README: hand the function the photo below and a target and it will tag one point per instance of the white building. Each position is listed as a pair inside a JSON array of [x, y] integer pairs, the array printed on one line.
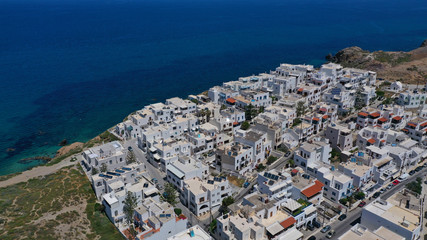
[[114, 201], [276, 185], [412, 99], [185, 168], [237, 157], [309, 155], [339, 136], [155, 220], [115, 180], [402, 221], [195, 232], [202, 196], [111, 154]]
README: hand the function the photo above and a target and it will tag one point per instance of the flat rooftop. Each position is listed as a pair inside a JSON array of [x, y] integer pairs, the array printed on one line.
[[197, 234], [394, 214]]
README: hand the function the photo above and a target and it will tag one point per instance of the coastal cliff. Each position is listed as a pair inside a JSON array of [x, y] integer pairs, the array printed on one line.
[[407, 67]]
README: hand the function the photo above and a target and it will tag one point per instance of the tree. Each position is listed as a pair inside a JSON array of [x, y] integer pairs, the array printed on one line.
[[343, 201], [359, 195], [291, 162], [130, 157], [212, 226], [249, 112], [261, 109], [359, 101], [208, 115], [103, 167], [301, 109], [130, 204], [245, 125], [170, 194], [227, 202], [178, 211], [271, 160], [94, 171], [260, 167]]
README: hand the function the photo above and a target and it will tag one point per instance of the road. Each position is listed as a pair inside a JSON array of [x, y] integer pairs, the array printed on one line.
[[160, 176], [353, 217]]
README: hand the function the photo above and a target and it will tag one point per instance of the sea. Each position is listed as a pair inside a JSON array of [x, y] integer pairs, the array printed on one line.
[[70, 69]]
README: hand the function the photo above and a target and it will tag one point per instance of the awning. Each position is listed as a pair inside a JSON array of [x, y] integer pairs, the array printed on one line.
[[292, 234], [275, 228], [309, 210], [152, 149], [150, 191], [157, 156], [288, 222], [175, 171]]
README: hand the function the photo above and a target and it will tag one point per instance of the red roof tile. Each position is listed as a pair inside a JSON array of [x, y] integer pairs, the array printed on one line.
[[423, 124], [231, 100], [313, 190], [294, 171], [300, 89], [371, 141], [375, 114], [412, 125], [383, 140], [323, 109], [383, 119], [363, 114], [288, 222], [325, 116], [397, 118], [235, 123], [405, 130], [316, 119]]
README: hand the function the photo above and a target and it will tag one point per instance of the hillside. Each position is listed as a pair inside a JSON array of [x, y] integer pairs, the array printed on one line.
[[408, 67]]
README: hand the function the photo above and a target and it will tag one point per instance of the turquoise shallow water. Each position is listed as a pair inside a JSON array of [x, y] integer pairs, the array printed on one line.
[[72, 69]]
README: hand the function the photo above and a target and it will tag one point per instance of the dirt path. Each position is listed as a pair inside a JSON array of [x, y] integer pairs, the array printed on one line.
[[37, 172]]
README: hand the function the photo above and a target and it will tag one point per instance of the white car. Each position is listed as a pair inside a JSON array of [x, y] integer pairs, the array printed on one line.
[[403, 177]]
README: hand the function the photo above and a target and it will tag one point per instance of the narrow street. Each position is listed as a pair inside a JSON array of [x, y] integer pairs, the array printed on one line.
[[353, 216]]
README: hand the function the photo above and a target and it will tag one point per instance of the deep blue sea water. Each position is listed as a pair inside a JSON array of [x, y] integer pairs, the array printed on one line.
[[72, 68]]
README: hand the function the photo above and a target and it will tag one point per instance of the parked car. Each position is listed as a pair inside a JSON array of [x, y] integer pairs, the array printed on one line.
[[154, 180], [425, 182], [418, 169], [395, 182], [382, 190], [390, 186], [246, 184], [403, 177], [412, 172], [326, 228], [362, 204], [342, 217], [377, 194], [288, 154], [330, 234], [310, 226], [311, 238], [130, 148], [316, 224]]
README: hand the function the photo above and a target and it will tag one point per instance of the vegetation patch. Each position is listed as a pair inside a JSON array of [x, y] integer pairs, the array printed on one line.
[[53, 207]]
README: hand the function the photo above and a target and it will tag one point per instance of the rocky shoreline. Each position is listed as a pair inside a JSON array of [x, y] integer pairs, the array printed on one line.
[[408, 67]]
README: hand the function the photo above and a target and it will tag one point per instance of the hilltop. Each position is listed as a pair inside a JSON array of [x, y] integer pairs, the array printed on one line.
[[407, 67]]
